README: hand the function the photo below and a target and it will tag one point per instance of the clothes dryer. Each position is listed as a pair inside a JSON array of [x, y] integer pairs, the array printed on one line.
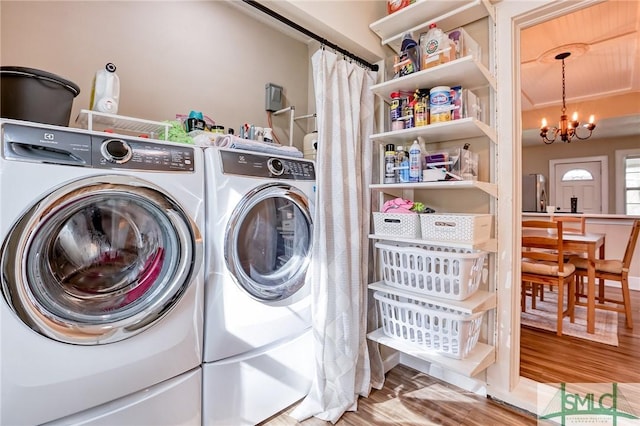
[[258, 356], [102, 277]]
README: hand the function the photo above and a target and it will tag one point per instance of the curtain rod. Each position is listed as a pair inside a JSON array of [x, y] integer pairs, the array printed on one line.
[[305, 31]]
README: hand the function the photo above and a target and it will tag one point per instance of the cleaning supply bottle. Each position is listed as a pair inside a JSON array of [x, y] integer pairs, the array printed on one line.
[[415, 162], [408, 115], [435, 48], [195, 122], [390, 163], [399, 160], [404, 167], [395, 111], [105, 93], [409, 55], [420, 116]]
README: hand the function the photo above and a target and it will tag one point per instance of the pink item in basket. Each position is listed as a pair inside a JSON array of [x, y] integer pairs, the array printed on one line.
[[398, 205]]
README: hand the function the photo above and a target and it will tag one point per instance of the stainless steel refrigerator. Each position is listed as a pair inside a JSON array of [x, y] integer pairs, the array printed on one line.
[[534, 193]]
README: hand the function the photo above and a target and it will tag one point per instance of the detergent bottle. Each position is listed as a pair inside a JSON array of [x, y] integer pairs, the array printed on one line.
[[105, 93]]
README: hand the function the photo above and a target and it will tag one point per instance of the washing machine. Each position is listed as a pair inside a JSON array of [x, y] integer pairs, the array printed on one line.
[[102, 278], [258, 347]]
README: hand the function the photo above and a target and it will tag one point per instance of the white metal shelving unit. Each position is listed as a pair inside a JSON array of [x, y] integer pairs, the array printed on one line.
[[489, 245], [489, 188], [469, 73], [417, 17], [463, 128]]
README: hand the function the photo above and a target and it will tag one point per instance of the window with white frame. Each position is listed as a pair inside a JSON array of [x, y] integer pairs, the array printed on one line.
[[632, 185], [628, 178]]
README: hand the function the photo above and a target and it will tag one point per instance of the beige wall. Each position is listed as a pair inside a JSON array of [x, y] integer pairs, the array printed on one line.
[[342, 22], [172, 57], [537, 157]]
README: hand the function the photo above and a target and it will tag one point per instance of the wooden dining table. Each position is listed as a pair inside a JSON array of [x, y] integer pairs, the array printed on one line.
[[591, 244]]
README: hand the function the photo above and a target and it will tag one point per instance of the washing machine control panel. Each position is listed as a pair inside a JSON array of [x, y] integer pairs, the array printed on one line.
[[137, 155], [116, 151], [35, 142], [265, 166]]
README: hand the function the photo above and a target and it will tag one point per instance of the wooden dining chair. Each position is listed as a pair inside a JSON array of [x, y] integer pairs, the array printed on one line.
[[609, 269], [571, 224], [543, 264]]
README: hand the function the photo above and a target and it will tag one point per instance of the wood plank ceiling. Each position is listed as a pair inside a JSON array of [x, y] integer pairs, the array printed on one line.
[[605, 63]]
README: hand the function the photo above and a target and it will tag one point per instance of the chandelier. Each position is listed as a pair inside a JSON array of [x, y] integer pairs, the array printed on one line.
[[567, 129]]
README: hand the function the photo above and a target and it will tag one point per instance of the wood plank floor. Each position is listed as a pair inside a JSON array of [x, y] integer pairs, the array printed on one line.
[[411, 398], [548, 358]]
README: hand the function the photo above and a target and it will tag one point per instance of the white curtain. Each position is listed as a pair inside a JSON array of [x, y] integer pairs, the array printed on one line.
[[345, 367]]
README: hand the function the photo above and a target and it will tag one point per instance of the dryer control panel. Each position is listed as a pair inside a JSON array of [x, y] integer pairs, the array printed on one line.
[[266, 166]]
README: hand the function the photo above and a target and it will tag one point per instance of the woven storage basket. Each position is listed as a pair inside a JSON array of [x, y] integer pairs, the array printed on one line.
[[434, 328], [459, 227], [450, 273], [397, 224]]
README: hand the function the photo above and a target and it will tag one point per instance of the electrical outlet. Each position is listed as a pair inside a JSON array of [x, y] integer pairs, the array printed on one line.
[[273, 97]]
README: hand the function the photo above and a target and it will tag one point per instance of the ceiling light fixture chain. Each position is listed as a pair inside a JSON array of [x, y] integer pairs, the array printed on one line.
[[567, 129], [564, 105]]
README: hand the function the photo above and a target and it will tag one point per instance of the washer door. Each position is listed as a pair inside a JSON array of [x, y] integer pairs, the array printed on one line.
[[99, 260], [268, 242]]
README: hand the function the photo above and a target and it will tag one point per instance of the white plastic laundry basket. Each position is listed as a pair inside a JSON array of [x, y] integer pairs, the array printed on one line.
[[447, 272], [434, 328]]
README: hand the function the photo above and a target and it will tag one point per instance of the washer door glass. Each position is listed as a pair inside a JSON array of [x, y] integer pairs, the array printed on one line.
[[97, 262], [268, 242]]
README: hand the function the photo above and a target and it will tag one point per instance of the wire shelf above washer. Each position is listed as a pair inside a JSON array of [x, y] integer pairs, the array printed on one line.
[[89, 119]]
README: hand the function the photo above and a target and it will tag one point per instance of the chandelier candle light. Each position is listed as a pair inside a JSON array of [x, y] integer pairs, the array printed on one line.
[[566, 129]]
